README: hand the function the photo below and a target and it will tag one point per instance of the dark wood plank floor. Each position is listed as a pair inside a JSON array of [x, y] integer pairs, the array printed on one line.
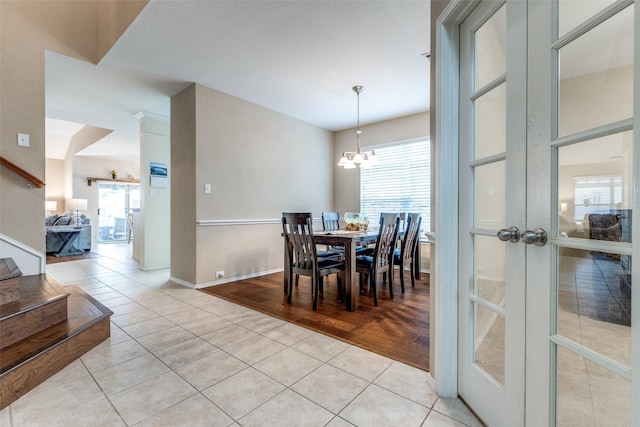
[[397, 328], [52, 259]]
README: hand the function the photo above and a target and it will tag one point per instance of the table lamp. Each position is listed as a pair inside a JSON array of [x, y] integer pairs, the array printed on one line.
[[75, 206], [50, 206]]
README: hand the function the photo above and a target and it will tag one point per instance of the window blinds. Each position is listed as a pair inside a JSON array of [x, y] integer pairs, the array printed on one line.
[[401, 182]]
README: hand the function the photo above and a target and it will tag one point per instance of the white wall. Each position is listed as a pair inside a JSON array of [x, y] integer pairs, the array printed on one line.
[[259, 164], [54, 177], [152, 239]]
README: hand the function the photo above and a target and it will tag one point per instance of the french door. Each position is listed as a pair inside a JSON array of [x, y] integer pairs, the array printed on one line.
[[549, 191]]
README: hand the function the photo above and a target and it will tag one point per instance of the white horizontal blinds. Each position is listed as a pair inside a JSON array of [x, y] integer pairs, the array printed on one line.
[[401, 182], [596, 194]]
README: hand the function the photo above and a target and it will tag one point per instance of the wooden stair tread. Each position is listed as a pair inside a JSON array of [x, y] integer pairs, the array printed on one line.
[[35, 290], [8, 269], [83, 312]]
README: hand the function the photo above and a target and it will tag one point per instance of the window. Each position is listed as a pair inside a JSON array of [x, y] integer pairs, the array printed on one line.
[[596, 193], [401, 182]]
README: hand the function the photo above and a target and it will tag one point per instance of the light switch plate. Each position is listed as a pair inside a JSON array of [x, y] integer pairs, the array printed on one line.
[[207, 188], [23, 139]]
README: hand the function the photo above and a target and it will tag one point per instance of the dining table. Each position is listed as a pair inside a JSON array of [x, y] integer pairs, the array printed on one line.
[[349, 240]]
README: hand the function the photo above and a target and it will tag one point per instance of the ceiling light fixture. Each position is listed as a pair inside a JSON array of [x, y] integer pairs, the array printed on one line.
[[363, 159]]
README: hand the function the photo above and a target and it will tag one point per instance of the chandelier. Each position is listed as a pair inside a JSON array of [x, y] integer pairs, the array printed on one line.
[[363, 159]]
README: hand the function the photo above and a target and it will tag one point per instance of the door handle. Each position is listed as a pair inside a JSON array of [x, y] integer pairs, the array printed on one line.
[[511, 234], [538, 237]]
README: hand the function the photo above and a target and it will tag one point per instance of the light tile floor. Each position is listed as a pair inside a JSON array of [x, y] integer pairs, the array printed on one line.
[[179, 357]]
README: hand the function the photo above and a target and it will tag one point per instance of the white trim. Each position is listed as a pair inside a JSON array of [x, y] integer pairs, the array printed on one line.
[[593, 356], [182, 282], [222, 281], [143, 115], [160, 267], [22, 255], [445, 306], [228, 222], [635, 260]]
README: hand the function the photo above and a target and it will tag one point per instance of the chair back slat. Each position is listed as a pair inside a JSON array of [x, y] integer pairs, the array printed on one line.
[[330, 221], [298, 229], [392, 215], [387, 235], [410, 238]]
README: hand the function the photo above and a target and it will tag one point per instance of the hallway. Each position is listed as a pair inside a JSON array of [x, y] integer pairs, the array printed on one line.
[[179, 357]]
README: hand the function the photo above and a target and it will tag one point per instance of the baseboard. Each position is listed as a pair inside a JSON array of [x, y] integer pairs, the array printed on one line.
[[222, 280]]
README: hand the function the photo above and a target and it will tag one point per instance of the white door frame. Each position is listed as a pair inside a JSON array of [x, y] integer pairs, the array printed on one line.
[[444, 368]]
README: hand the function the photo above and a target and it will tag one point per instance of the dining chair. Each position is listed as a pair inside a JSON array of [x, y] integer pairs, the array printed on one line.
[[404, 255], [403, 217], [381, 259], [331, 222], [303, 258]]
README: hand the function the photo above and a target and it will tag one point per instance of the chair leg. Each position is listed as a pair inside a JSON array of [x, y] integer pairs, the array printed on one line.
[[314, 291], [372, 285], [402, 277], [290, 288], [413, 276]]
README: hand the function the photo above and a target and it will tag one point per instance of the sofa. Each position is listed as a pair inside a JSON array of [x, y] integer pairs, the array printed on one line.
[[55, 242]]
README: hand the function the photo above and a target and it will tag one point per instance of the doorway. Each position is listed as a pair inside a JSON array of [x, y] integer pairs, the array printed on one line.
[[117, 203], [546, 167]]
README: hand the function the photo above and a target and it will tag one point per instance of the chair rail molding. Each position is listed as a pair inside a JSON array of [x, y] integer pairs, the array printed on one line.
[[230, 222]]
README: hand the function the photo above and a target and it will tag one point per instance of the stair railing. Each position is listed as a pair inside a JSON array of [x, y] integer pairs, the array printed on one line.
[[32, 180]]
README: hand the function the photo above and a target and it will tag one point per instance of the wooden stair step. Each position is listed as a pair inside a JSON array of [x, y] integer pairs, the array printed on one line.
[[41, 303], [9, 285], [9, 269], [29, 362]]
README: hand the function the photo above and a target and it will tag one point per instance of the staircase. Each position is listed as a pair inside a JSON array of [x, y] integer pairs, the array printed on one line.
[[43, 328]]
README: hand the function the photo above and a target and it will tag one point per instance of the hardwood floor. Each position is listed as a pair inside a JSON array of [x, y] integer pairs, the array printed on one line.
[[397, 328], [52, 259]]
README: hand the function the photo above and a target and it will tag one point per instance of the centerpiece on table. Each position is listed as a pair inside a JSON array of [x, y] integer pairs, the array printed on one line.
[[355, 221]]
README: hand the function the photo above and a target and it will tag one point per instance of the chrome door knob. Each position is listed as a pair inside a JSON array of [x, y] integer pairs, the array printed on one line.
[[511, 234], [537, 237]]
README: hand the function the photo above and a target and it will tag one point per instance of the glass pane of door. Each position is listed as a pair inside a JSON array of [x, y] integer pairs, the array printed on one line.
[[492, 191], [593, 150], [596, 76]]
